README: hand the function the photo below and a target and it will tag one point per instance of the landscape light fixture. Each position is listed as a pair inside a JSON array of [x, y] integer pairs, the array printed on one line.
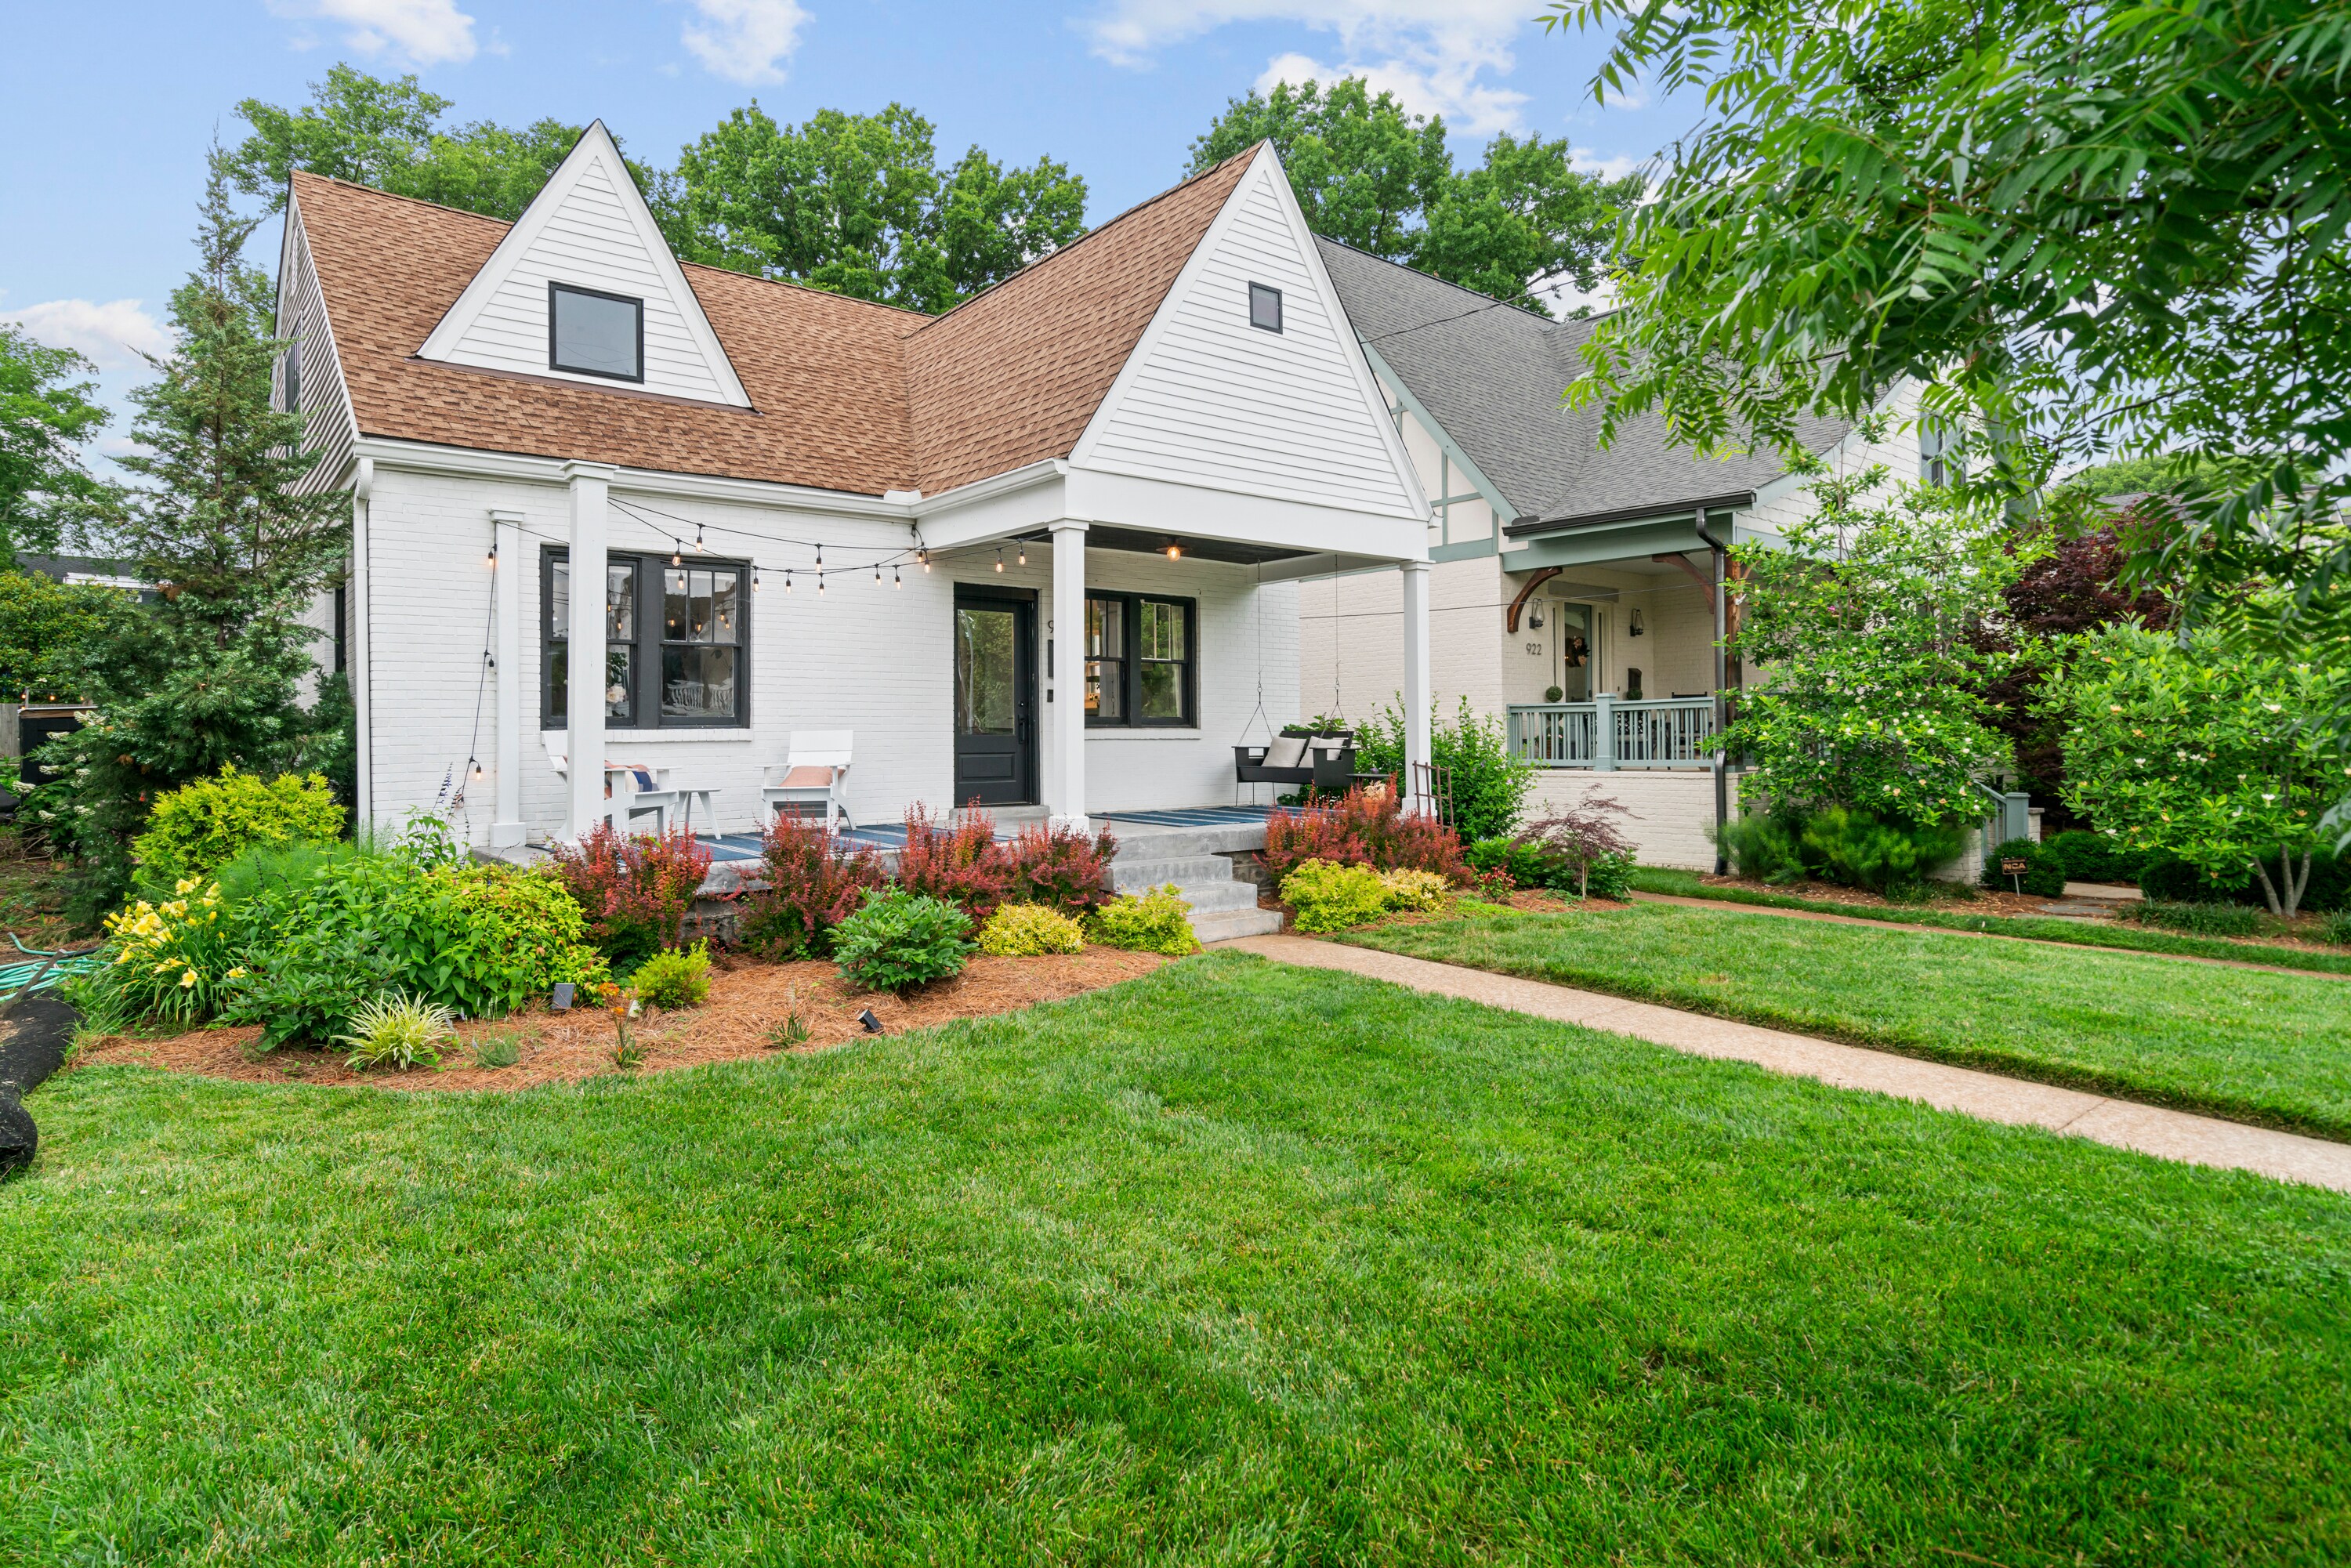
[[872, 1025]]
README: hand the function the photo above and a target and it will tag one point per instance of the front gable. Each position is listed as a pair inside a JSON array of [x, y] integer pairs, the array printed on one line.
[[589, 230], [1210, 399]]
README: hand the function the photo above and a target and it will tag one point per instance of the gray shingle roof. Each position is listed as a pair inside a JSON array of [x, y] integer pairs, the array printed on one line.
[[1492, 374]]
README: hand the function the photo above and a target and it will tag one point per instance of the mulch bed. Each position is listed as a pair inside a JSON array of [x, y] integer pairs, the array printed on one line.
[[749, 998]]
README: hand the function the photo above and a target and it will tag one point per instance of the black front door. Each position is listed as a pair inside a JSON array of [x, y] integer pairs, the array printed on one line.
[[995, 697]]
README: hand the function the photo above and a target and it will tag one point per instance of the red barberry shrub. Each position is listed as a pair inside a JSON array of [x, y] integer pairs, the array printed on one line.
[[1362, 827], [1062, 867], [813, 881], [962, 864], [635, 889]]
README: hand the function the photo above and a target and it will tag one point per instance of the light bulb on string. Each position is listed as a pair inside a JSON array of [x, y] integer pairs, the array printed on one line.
[[1024, 555], [877, 572], [999, 557], [819, 583], [677, 553], [697, 539], [895, 580], [492, 557], [755, 580], [477, 766], [819, 555], [788, 580]]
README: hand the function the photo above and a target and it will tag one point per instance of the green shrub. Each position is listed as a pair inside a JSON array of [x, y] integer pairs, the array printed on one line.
[[2085, 856], [2043, 876], [479, 939], [1767, 846], [494, 1052], [1328, 897], [899, 939], [674, 977], [1529, 864], [199, 827], [1487, 784], [1610, 876], [2335, 928], [1023, 930], [2200, 919], [398, 1031], [1157, 922], [1415, 890], [1847, 845]]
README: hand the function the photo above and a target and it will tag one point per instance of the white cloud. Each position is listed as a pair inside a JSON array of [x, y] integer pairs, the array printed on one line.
[[113, 334], [1431, 54], [1613, 167], [745, 41], [428, 32]]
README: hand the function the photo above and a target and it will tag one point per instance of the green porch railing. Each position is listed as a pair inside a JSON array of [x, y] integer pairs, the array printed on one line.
[[1609, 733]]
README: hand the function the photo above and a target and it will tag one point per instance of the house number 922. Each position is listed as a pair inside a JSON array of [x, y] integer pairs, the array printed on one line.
[[1535, 649]]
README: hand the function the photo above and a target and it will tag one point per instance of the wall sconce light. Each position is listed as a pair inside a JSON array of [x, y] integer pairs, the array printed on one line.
[[1633, 627], [1174, 550], [1534, 619]]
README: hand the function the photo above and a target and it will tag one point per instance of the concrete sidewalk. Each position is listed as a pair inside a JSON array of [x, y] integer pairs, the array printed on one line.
[[2150, 1130]]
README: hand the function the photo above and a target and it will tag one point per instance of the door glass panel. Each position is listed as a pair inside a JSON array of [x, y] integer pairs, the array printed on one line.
[[985, 679], [1575, 653]]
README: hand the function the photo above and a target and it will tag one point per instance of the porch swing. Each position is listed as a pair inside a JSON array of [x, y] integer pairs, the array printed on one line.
[[1325, 760]]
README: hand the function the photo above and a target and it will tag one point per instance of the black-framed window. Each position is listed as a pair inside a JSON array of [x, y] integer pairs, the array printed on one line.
[[677, 642], [593, 333], [289, 374], [1141, 660], [1265, 307]]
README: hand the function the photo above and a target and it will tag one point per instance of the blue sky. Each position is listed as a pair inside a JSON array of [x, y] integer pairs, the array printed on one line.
[[105, 112]]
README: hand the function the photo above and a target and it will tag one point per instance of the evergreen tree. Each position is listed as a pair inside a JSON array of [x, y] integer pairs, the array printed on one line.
[[211, 674]]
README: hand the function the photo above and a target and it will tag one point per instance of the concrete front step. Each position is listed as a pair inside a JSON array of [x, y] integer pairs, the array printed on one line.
[[1230, 925], [1133, 876], [1206, 897]]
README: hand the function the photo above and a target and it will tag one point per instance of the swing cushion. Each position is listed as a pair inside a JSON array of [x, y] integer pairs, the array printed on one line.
[[1286, 751]]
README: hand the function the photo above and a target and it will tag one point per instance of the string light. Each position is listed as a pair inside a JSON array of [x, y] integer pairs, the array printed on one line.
[[676, 552], [755, 580], [877, 572], [478, 766], [1173, 550], [697, 539], [819, 555], [819, 583], [492, 557], [999, 557], [788, 580], [895, 580], [924, 555], [1024, 554]]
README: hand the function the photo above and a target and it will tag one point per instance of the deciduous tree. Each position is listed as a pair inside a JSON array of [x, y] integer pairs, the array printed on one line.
[[45, 418], [1370, 175]]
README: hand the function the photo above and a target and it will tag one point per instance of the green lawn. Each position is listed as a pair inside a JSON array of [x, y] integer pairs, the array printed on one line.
[[2033, 928], [1235, 1263], [2257, 1047]]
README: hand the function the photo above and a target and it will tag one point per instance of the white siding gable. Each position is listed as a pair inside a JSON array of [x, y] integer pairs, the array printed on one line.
[[1209, 400], [589, 227]]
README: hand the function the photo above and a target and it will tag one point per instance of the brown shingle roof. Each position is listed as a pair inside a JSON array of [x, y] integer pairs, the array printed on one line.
[[849, 395]]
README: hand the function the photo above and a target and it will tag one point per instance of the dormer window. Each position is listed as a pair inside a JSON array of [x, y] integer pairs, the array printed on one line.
[[1265, 307], [592, 333]]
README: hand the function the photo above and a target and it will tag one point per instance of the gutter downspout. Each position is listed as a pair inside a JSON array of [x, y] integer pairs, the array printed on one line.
[[1721, 702]]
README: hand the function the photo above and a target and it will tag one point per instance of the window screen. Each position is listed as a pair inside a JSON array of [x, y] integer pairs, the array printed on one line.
[[597, 334], [1265, 307]]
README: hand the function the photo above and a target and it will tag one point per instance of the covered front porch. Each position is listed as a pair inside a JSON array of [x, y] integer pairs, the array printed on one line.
[[1628, 614]]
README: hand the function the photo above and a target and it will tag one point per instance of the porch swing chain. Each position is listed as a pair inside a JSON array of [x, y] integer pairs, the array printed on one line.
[[1257, 614]]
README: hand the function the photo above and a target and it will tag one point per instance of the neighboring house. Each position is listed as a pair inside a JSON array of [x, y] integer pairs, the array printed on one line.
[[809, 512], [1573, 586]]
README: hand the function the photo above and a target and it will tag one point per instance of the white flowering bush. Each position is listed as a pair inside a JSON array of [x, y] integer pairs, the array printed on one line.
[[2213, 752], [1866, 657]]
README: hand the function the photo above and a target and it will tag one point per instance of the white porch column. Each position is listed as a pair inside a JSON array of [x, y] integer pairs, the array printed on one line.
[[506, 829], [1065, 791], [358, 651], [584, 703], [1416, 684]]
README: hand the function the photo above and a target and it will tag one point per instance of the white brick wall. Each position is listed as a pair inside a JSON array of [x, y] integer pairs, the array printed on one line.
[[860, 656], [1672, 810]]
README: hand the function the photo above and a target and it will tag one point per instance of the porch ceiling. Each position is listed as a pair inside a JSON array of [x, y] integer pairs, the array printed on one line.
[[1141, 541]]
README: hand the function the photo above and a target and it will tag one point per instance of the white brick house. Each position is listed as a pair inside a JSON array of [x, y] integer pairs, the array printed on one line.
[[1572, 589], [811, 512]]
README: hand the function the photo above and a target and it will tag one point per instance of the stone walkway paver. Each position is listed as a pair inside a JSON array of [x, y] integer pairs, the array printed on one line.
[[2148, 1129]]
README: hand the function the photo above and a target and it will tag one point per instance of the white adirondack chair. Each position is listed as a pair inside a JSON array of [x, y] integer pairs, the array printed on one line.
[[630, 791], [814, 773]]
